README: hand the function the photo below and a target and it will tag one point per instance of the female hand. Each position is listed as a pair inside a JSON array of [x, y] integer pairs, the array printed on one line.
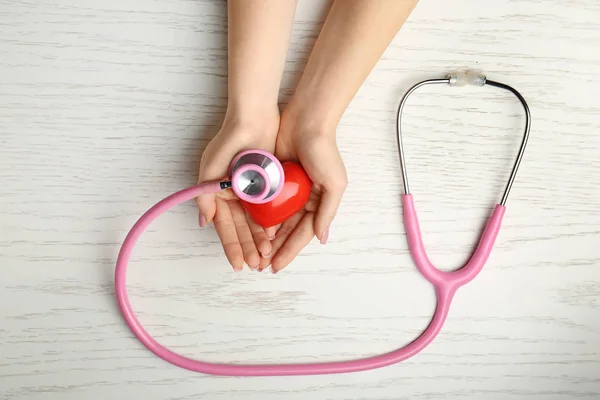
[[257, 36], [318, 154], [353, 37], [243, 240]]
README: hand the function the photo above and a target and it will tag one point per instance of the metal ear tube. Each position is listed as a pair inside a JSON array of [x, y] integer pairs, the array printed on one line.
[[463, 79]]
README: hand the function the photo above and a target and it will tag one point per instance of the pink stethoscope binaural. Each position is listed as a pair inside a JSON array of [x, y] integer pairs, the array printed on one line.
[[257, 177]]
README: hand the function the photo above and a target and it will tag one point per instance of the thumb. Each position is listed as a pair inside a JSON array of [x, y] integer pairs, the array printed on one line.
[[207, 204], [331, 197], [326, 169], [210, 169]]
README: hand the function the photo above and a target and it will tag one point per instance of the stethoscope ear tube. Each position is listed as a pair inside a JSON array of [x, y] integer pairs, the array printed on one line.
[[448, 282], [462, 79]]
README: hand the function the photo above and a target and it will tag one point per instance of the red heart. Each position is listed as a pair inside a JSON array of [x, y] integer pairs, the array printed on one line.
[[293, 196]]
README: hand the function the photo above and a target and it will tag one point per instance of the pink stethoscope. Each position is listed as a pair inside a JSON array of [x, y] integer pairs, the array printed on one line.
[[257, 177]]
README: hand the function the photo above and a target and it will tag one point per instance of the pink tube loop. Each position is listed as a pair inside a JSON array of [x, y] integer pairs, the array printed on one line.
[[444, 289], [450, 281]]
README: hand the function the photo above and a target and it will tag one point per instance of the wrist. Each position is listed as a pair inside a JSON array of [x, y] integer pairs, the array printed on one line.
[[252, 123], [302, 118]]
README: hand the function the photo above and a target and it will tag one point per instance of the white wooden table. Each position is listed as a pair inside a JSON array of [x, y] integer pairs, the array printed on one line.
[[105, 107]]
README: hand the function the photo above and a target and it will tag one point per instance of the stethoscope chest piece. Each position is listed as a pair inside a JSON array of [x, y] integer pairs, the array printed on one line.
[[256, 176]]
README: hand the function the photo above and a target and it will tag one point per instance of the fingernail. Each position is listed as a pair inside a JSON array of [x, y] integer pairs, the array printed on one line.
[[202, 221], [325, 237], [263, 268], [237, 269], [250, 267], [274, 271]]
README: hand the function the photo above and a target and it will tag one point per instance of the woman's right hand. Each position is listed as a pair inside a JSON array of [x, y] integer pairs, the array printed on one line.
[[316, 150], [244, 241]]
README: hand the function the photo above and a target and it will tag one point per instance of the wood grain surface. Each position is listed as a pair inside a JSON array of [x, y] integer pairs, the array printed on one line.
[[105, 107]]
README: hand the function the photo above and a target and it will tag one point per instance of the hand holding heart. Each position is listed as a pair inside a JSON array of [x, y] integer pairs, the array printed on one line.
[[244, 241], [302, 211], [320, 158]]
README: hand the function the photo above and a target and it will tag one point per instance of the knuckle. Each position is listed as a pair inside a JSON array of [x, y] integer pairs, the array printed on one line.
[[240, 226], [224, 224], [232, 248], [339, 185], [248, 244], [343, 180], [202, 199]]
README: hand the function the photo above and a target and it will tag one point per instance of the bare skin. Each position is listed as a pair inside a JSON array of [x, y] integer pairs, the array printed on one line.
[[353, 38]]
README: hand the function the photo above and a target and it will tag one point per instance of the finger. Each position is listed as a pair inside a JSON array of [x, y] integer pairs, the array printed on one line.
[[207, 205], [266, 261], [272, 231], [225, 227], [284, 231], [296, 241], [261, 238], [213, 165], [244, 235], [328, 207]]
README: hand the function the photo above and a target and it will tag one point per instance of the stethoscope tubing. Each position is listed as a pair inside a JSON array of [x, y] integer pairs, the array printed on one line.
[[444, 293], [445, 283]]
